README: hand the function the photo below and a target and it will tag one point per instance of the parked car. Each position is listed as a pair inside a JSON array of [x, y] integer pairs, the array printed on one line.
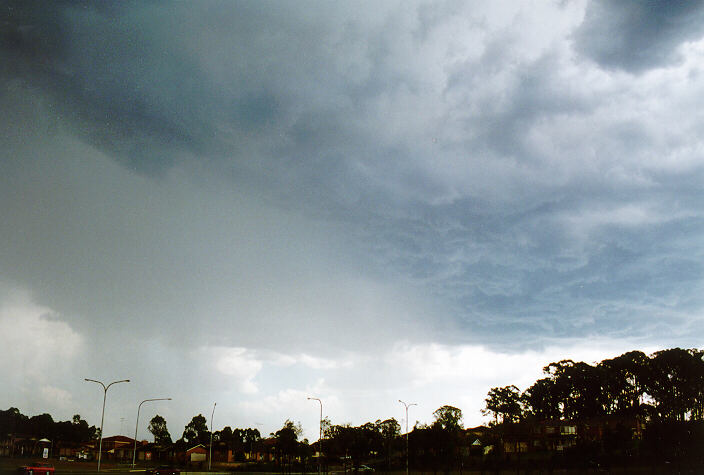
[[361, 468], [38, 468], [163, 470]]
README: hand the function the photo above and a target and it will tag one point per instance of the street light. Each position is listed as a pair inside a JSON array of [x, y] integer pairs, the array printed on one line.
[[407, 406], [320, 437], [102, 417], [134, 452], [210, 455]]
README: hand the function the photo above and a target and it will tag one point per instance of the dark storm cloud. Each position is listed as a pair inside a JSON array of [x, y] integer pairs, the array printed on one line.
[[637, 36], [482, 178], [274, 92], [291, 198], [119, 86]]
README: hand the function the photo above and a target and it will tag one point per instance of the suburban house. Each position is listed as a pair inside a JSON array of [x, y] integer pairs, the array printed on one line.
[[197, 456], [553, 436], [117, 448]]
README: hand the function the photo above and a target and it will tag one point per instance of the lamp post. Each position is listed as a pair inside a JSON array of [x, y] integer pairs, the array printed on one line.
[[210, 454], [407, 406], [320, 437], [134, 452], [102, 417]]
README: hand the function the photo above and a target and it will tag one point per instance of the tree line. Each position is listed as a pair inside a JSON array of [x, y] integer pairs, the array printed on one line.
[[379, 442], [665, 390], [196, 432], [13, 422], [667, 385]]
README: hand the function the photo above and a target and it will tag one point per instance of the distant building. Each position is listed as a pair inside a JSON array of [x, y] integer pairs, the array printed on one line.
[[553, 436], [117, 448], [196, 455]]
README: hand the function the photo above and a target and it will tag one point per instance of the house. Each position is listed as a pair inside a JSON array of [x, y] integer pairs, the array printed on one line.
[[473, 440], [196, 455], [117, 448], [594, 429], [222, 453], [552, 436], [265, 451], [146, 451]]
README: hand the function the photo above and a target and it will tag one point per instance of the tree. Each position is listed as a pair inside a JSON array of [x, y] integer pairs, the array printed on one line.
[[226, 435], [80, 431], [624, 379], [448, 418], [157, 426], [196, 432], [389, 430], [675, 381], [287, 440], [541, 400], [325, 426], [239, 441], [504, 403], [445, 435], [251, 435], [578, 389], [12, 421]]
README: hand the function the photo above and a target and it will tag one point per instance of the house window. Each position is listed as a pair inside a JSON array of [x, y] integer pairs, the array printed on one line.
[[568, 430]]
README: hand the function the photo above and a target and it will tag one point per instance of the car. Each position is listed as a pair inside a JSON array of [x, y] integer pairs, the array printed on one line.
[[163, 470], [38, 468], [365, 468]]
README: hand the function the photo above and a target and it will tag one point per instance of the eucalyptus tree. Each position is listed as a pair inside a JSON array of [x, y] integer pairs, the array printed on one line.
[[157, 426], [675, 381], [504, 403], [624, 383]]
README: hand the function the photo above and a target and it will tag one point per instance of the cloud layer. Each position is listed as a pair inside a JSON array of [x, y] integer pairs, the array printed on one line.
[[288, 196]]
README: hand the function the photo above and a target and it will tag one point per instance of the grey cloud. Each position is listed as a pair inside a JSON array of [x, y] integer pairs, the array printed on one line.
[[339, 179], [431, 169], [637, 36]]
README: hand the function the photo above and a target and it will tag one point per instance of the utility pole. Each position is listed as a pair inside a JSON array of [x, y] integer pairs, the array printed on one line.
[[320, 437], [407, 406], [210, 455]]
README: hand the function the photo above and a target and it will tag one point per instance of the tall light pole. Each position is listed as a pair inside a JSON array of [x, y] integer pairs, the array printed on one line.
[[320, 437], [210, 455], [134, 452], [407, 406], [102, 417]]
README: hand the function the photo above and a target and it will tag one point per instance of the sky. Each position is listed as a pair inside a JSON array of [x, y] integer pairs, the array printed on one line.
[[250, 203]]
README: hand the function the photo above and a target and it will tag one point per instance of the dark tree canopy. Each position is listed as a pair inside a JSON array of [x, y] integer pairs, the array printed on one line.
[[12, 422], [666, 386], [504, 403], [196, 431], [157, 426], [287, 439], [448, 418]]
